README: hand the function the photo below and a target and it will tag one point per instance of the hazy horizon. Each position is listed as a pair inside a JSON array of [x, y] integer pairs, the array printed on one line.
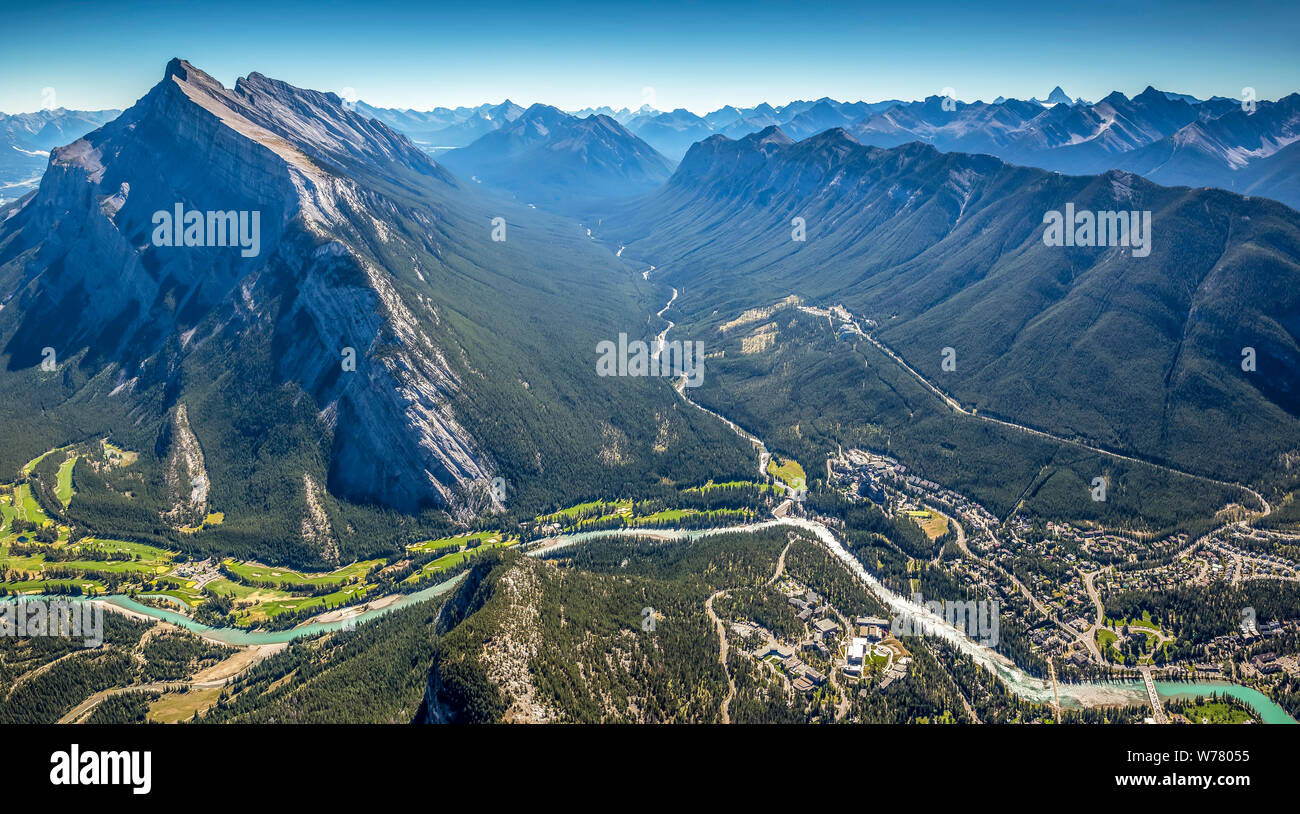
[[677, 56], [778, 104]]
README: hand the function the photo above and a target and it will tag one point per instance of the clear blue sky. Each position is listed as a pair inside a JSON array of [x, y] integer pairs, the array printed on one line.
[[694, 55]]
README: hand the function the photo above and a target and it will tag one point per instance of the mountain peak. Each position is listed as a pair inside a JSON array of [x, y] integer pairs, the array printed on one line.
[[772, 134], [309, 183], [1058, 96], [550, 157], [832, 138], [544, 113], [1151, 95], [177, 67], [540, 120]]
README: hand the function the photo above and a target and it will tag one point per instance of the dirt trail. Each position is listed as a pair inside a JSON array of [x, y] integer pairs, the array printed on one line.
[[722, 654], [218, 675]]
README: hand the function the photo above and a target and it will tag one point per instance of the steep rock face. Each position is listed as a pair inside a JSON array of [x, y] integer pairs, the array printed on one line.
[[396, 438], [92, 224], [85, 274], [377, 338]]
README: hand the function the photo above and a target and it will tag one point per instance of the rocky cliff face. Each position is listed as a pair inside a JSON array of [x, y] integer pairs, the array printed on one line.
[[501, 667], [186, 475], [83, 271]]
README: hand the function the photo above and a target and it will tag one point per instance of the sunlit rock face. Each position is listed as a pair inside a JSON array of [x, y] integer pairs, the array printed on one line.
[[293, 282]]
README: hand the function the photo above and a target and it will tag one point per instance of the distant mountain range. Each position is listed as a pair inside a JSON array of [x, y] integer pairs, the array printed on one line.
[[1164, 137], [1141, 353], [228, 366], [674, 132], [444, 128], [1173, 139], [546, 156], [27, 138]]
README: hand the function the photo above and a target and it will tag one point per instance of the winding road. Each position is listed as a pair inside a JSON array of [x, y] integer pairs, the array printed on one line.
[[956, 407], [1017, 680], [722, 633]]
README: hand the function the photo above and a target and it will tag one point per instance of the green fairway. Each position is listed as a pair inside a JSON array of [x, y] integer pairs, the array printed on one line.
[[146, 553], [588, 508], [482, 537], [275, 607], [7, 511], [256, 572], [235, 590], [713, 487], [28, 508], [147, 561], [190, 598], [32, 563], [150, 569], [673, 515], [108, 566], [455, 558], [88, 586], [63, 490], [30, 465]]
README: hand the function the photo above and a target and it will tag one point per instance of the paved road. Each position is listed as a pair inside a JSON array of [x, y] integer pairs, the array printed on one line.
[[1089, 641], [1086, 639], [956, 406], [25, 677], [722, 633], [1089, 584], [82, 711], [961, 532]]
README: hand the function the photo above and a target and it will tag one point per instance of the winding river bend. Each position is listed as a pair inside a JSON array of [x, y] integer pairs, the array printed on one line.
[[120, 603], [1017, 680], [1035, 689], [1072, 696]]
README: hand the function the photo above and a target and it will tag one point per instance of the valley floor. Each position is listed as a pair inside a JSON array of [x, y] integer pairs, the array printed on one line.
[[1073, 603]]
